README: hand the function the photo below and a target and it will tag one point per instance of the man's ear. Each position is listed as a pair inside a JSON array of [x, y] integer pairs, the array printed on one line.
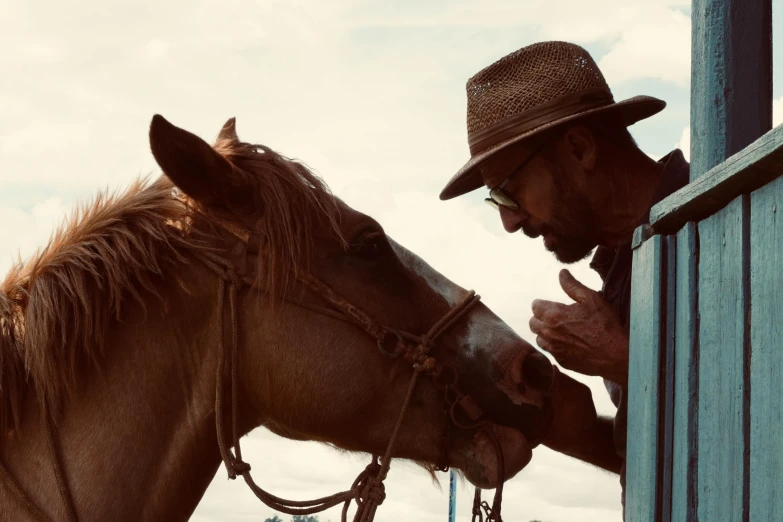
[[580, 144]]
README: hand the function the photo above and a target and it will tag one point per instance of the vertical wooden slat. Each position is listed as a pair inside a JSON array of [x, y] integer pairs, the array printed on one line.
[[642, 485], [686, 377], [722, 331], [766, 407], [731, 78], [667, 393]]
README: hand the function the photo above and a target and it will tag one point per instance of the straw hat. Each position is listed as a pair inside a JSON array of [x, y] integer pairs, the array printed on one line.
[[530, 91]]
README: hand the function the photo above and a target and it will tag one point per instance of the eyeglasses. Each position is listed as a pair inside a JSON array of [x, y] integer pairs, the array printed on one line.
[[499, 197]]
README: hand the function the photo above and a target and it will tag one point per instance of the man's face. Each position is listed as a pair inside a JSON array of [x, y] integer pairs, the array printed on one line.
[[553, 198]]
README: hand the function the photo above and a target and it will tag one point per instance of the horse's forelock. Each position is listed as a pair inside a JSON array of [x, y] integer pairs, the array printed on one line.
[[291, 201]]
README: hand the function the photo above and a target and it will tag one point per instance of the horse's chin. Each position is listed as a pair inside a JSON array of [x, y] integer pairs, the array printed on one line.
[[481, 468]]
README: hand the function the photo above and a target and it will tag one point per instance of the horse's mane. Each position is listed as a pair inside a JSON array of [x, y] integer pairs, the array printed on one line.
[[55, 308]]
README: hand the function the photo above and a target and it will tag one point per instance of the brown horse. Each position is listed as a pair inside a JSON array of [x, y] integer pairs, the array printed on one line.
[[116, 336]]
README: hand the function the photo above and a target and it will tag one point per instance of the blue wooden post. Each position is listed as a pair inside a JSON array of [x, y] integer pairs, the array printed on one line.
[[731, 78], [642, 448], [452, 495]]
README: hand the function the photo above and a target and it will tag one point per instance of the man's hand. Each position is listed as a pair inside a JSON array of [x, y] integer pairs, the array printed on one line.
[[587, 336]]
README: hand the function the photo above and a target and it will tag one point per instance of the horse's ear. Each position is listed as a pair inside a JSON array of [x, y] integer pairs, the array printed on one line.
[[229, 131], [191, 163]]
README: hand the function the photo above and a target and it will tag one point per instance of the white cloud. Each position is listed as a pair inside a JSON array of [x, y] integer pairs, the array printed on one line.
[[777, 112], [646, 41], [685, 142]]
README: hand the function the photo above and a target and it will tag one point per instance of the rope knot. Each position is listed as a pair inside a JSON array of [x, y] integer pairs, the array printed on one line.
[[239, 467], [427, 365], [375, 491], [425, 345]]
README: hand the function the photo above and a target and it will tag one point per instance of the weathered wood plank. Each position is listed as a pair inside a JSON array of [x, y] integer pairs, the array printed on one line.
[[744, 172], [642, 449], [722, 311], [667, 392], [686, 377], [731, 78], [766, 376]]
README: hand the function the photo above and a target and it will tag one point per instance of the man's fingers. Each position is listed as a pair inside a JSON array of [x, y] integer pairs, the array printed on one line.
[[545, 310], [543, 343], [573, 288], [536, 325]]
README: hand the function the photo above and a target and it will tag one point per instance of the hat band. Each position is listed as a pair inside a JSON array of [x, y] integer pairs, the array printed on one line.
[[540, 115]]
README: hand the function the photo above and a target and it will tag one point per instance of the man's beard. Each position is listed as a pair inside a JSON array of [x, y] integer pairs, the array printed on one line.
[[570, 236]]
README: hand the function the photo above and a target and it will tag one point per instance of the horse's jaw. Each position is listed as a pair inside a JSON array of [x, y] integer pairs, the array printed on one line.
[[479, 460]]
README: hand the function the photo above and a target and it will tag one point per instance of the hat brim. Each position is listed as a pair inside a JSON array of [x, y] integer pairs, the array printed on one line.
[[469, 178]]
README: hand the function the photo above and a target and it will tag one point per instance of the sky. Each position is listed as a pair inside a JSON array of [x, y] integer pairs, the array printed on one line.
[[369, 94]]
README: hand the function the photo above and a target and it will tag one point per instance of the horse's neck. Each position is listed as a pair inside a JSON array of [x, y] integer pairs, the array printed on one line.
[[138, 439]]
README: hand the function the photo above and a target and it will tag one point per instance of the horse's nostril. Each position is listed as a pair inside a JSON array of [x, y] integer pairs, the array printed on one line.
[[537, 372]]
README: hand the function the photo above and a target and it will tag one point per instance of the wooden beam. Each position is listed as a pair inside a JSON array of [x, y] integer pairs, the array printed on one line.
[[643, 484], [766, 375], [743, 173], [723, 324], [686, 377], [731, 78]]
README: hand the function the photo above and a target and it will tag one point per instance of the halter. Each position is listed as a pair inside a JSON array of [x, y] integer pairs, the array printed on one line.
[[368, 489]]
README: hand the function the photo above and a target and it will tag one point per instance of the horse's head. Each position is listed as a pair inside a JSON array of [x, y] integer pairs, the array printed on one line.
[[308, 373]]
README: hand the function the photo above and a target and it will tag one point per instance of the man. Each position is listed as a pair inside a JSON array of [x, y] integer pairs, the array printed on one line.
[[549, 141]]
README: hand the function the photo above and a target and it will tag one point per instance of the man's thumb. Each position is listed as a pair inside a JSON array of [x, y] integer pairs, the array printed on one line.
[[573, 288]]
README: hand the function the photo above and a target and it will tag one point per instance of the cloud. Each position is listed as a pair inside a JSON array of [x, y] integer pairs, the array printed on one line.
[[645, 41], [777, 112], [685, 142]]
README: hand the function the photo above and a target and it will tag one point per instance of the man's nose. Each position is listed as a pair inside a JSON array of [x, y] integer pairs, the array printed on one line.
[[512, 219]]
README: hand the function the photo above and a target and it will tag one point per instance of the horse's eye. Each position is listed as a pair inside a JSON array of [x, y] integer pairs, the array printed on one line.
[[368, 246]]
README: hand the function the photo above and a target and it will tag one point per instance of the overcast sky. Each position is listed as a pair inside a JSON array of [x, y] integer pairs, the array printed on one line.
[[371, 95]]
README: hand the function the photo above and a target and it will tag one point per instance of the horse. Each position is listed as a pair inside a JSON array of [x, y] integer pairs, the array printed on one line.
[[165, 321]]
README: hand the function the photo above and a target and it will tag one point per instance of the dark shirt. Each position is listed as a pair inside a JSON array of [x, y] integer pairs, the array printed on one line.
[[614, 267]]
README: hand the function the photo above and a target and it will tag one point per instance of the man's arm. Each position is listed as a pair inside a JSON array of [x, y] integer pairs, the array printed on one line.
[[595, 446], [577, 430]]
